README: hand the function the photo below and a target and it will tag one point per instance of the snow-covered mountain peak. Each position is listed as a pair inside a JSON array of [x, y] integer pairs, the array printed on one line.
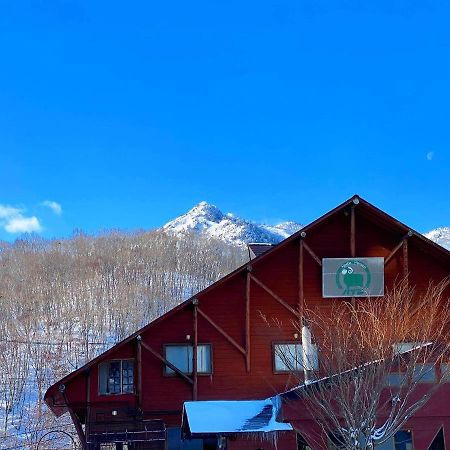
[[441, 236], [207, 211], [209, 220]]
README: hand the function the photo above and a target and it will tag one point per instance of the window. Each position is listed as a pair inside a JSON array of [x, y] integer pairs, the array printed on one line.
[[424, 373], [181, 357], [116, 377], [301, 443], [289, 357], [336, 441], [438, 442], [396, 379], [401, 441], [445, 372]]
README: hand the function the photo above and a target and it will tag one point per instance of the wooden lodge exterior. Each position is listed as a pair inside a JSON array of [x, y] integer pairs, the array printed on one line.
[[133, 393]]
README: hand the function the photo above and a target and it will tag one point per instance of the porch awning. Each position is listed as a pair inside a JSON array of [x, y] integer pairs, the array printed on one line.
[[231, 417]]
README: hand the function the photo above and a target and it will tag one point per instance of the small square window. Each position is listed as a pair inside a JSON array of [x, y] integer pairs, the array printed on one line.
[[116, 377]]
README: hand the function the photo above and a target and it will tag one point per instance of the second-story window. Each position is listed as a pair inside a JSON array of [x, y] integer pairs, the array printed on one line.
[[288, 357], [181, 357], [116, 377]]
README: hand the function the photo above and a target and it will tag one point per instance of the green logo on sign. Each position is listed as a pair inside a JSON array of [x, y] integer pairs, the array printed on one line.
[[353, 278]]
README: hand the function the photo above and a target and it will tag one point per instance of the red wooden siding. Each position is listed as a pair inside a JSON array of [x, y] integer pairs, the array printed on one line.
[[225, 304]]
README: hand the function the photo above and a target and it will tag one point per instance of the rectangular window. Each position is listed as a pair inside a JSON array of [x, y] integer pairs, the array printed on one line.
[[445, 372], [395, 379], [181, 357], [424, 373], [288, 357], [403, 440], [116, 377]]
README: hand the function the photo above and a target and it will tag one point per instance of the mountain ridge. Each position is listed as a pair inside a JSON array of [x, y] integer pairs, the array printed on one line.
[[208, 220]]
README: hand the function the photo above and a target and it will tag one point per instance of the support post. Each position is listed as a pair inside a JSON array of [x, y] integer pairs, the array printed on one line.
[[194, 350], [405, 259], [247, 320], [301, 288], [88, 404], [139, 372], [352, 233], [352, 240], [74, 417]]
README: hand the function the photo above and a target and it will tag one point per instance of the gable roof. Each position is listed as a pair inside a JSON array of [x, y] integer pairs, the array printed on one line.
[[371, 211]]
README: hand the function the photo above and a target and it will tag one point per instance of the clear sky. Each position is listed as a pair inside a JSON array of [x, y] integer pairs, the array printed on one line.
[[128, 113]]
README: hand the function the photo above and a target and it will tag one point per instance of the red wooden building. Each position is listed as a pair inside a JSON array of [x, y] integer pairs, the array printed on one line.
[[133, 394]]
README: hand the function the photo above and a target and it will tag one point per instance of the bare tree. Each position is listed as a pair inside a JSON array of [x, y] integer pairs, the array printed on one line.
[[375, 354], [64, 301]]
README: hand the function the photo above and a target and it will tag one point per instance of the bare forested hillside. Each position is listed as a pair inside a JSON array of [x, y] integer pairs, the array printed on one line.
[[64, 301]]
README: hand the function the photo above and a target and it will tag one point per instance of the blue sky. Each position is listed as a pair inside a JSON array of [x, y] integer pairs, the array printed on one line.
[[128, 114]]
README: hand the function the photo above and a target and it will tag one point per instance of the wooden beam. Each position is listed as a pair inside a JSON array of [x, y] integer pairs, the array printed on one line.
[[352, 241], [398, 246], [222, 332], [393, 252], [139, 371], [405, 259], [352, 233], [75, 419], [247, 322], [194, 352], [301, 287], [275, 296], [167, 363], [314, 256], [88, 403]]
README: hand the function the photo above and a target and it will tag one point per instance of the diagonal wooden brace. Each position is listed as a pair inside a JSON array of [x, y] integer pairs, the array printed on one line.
[[222, 332], [167, 363], [275, 296]]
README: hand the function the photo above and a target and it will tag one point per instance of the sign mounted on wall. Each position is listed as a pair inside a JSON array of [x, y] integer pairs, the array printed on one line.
[[352, 277]]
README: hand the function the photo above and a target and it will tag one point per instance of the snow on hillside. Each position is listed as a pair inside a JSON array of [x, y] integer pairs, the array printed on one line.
[[211, 221], [441, 236]]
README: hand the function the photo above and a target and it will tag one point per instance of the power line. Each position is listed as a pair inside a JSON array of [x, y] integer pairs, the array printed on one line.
[[16, 341]]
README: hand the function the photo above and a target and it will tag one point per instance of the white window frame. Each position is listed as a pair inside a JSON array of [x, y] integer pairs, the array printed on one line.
[[296, 353]]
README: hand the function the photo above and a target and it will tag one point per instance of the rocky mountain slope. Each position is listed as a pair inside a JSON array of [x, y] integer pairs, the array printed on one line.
[[208, 220], [441, 236]]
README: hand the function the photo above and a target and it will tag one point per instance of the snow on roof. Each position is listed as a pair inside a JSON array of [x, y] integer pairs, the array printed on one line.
[[240, 416]]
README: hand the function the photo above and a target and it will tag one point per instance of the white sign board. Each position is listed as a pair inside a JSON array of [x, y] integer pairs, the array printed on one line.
[[352, 277]]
